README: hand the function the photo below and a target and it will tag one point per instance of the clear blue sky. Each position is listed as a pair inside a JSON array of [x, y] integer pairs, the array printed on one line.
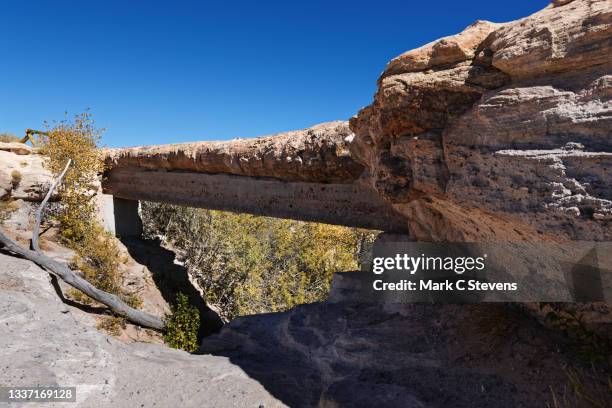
[[163, 72]]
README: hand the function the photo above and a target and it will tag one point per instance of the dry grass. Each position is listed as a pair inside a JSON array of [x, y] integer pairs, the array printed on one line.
[[78, 296], [585, 388], [493, 324], [112, 325], [9, 138], [15, 178], [6, 208]]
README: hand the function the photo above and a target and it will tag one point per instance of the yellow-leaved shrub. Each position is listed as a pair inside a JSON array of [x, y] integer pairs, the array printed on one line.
[[75, 139], [98, 254], [249, 264]]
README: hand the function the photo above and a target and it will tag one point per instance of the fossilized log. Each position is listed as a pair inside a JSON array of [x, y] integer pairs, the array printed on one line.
[[317, 155], [305, 175]]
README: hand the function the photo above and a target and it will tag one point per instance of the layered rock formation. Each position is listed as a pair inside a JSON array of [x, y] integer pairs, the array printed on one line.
[[343, 353], [501, 132], [306, 175], [498, 133]]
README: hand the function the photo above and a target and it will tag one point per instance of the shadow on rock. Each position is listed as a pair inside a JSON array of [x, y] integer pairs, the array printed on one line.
[[171, 278], [411, 355]]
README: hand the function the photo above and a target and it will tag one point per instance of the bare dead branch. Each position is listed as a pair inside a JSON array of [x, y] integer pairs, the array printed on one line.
[[67, 275], [41, 207]]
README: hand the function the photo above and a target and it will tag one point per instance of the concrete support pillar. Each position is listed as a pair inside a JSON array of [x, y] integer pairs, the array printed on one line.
[[127, 219], [120, 217]]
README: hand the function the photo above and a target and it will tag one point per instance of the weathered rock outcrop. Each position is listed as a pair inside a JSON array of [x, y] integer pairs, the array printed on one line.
[[22, 174], [17, 148], [46, 343], [325, 354], [501, 132], [344, 353]]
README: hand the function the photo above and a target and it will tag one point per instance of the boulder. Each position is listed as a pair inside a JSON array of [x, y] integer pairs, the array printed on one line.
[[23, 176]]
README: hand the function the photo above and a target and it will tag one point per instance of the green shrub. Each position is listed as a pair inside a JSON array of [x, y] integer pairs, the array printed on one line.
[[182, 325]]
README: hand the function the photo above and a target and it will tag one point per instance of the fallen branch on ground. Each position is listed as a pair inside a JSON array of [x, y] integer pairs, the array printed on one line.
[[67, 275]]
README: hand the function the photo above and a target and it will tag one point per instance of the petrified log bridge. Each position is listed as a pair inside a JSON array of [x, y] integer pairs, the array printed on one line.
[[305, 175], [498, 133]]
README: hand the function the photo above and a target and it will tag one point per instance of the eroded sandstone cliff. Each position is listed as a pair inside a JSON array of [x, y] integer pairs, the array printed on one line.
[[501, 132]]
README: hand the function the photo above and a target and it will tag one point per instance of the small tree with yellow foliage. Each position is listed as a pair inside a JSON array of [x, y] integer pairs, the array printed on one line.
[[99, 257], [75, 139]]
